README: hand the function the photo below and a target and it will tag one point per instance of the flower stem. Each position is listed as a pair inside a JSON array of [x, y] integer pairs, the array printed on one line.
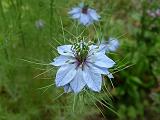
[[5, 24], [19, 5], [51, 18]]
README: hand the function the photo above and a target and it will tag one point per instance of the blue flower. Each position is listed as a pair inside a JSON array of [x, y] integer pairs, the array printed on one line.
[[111, 46], [81, 66], [84, 15]]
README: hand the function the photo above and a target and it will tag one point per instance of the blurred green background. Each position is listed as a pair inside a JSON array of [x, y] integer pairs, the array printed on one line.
[[32, 29]]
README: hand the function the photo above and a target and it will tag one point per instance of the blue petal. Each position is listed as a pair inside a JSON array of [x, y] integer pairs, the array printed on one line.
[[100, 70], [65, 74], [113, 44], [77, 84], [76, 16], [110, 76], [102, 60], [61, 60], [67, 88], [96, 69], [65, 50], [94, 49], [93, 14], [75, 10], [93, 80], [85, 19]]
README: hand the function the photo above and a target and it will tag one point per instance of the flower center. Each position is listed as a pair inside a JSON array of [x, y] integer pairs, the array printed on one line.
[[81, 53], [85, 9]]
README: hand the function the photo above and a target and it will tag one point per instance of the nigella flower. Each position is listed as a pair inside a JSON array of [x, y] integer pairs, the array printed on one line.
[[84, 14], [111, 46], [81, 66], [39, 24]]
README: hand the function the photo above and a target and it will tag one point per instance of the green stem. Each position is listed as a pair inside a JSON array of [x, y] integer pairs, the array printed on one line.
[[6, 54], [51, 18], [5, 24], [143, 20], [2, 11], [19, 5]]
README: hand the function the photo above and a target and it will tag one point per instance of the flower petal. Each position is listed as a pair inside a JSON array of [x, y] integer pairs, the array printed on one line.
[[101, 60], [85, 19], [65, 50], [93, 80], [65, 74], [75, 10], [93, 48], [62, 60], [96, 69], [77, 84], [110, 76], [100, 70], [67, 88], [113, 44], [96, 49], [93, 14], [102, 48], [76, 15]]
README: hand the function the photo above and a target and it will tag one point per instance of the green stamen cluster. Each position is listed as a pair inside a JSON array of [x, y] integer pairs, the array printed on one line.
[[81, 51]]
